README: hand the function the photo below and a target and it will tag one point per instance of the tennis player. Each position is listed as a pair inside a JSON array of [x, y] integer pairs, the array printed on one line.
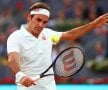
[[29, 49]]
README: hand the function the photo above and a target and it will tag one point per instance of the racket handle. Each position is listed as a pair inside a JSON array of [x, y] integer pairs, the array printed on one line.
[[36, 78]]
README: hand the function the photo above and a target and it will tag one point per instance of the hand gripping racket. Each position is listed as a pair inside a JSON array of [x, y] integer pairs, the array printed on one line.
[[68, 62]]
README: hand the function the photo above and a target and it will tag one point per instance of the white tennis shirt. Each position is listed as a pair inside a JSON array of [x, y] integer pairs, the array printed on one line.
[[35, 53]]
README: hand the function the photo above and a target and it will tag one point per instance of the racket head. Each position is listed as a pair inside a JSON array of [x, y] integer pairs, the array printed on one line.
[[66, 65]]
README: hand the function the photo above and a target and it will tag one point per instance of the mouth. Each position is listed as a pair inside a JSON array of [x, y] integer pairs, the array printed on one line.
[[39, 29]]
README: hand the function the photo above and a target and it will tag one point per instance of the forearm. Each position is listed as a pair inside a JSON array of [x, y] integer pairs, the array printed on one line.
[[80, 31], [13, 59], [13, 63]]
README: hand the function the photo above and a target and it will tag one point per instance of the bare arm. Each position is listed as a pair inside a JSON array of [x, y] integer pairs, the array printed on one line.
[[13, 59], [80, 31]]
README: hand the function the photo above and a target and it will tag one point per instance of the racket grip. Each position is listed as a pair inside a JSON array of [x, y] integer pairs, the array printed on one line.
[[36, 78]]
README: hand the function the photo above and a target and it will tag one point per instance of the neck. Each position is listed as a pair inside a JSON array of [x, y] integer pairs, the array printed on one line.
[[35, 34]]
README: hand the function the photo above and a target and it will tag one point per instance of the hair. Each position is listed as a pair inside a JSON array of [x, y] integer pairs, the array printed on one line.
[[39, 5]]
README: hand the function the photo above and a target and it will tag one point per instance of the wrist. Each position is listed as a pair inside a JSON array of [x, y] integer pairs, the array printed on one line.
[[19, 75]]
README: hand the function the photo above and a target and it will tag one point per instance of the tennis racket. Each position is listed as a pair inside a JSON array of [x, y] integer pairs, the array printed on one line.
[[68, 62]]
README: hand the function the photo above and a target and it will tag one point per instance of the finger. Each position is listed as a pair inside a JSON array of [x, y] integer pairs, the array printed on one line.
[[106, 23], [34, 83], [27, 84], [31, 82], [106, 14]]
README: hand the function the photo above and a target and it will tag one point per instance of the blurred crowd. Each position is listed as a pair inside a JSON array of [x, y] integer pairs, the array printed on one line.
[[66, 14]]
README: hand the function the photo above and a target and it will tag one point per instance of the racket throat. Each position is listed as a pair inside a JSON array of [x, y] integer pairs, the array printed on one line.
[[42, 75]]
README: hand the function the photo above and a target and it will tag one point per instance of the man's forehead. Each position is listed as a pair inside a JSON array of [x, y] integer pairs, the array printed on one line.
[[41, 16]]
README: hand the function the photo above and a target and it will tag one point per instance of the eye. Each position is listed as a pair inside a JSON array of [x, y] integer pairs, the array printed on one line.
[[38, 19], [45, 22]]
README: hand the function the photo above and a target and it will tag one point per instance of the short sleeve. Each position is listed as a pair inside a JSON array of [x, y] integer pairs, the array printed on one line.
[[13, 43]]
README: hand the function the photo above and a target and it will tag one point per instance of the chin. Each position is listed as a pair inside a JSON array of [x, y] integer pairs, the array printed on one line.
[[39, 30]]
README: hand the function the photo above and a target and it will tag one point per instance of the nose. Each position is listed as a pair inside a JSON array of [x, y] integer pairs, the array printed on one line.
[[41, 24]]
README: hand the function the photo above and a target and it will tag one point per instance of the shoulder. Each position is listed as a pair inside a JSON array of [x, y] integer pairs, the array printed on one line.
[[15, 35], [49, 31]]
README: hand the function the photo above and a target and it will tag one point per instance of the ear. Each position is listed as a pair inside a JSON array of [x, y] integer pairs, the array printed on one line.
[[28, 17]]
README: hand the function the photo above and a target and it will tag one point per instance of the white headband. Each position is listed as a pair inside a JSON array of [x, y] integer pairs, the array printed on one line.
[[40, 11]]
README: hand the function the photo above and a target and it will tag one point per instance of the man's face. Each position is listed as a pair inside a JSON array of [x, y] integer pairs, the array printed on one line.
[[37, 23]]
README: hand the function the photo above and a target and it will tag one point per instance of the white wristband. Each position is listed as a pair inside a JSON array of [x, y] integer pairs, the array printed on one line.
[[19, 75]]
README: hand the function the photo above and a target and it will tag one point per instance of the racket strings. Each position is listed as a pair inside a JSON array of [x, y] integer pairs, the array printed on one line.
[[69, 62]]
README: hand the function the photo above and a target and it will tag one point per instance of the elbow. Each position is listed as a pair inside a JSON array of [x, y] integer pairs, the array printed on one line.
[[10, 61], [72, 38], [69, 37]]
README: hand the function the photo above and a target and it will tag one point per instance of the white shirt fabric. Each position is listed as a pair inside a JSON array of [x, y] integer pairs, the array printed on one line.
[[35, 54]]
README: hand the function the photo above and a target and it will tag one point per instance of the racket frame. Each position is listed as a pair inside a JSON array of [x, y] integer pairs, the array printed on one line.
[[53, 63]]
